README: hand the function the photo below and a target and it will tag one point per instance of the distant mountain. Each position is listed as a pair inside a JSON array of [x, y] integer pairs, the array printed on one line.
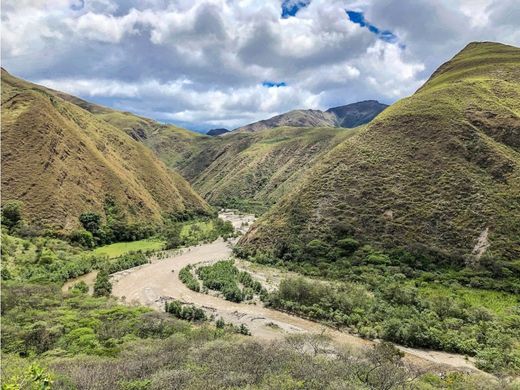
[[61, 158], [437, 173], [351, 115], [356, 114], [216, 132]]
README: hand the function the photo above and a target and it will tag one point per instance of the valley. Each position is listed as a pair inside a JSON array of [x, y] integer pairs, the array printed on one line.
[[362, 246], [153, 284]]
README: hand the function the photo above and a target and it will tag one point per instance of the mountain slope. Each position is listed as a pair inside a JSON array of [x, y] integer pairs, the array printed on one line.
[[438, 171], [351, 115], [252, 171], [61, 160], [171, 143]]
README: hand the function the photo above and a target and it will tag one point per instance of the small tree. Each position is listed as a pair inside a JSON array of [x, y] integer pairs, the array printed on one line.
[[12, 213], [102, 286]]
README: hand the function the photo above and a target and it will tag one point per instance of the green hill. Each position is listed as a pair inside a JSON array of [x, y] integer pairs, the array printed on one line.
[[437, 173], [62, 160], [171, 143], [251, 171]]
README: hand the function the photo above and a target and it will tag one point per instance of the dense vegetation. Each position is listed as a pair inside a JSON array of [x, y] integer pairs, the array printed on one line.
[[76, 341], [82, 342], [405, 299], [225, 277]]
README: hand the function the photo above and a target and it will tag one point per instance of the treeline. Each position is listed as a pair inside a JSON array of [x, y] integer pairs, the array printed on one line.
[[346, 258], [176, 228]]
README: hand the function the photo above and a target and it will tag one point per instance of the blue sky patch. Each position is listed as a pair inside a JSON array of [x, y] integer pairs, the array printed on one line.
[[384, 35], [271, 84], [291, 7]]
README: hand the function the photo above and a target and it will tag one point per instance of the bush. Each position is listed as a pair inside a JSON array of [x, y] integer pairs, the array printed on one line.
[[90, 221], [102, 285], [83, 238], [185, 312], [80, 287], [188, 279], [126, 261], [11, 213]]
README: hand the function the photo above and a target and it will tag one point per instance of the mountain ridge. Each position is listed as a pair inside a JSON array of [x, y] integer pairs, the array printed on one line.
[[349, 116]]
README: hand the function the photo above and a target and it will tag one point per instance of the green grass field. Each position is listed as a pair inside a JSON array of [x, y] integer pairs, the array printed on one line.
[[496, 301], [120, 248]]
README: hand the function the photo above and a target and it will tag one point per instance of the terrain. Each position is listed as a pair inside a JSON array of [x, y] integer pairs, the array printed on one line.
[[251, 171], [350, 115], [379, 250], [61, 161], [436, 174], [153, 284]]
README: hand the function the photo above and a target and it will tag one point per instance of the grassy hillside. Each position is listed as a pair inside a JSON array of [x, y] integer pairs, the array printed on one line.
[[60, 161], [437, 173], [252, 171], [171, 143]]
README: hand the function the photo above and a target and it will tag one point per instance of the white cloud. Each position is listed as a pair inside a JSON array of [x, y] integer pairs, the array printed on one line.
[[205, 61]]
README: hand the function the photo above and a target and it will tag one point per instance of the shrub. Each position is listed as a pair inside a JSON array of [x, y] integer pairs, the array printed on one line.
[[188, 279], [80, 287], [102, 285], [90, 221], [11, 213], [83, 238], [185, 312]]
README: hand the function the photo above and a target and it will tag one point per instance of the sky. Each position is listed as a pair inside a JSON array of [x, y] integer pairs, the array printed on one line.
[[225, 63]]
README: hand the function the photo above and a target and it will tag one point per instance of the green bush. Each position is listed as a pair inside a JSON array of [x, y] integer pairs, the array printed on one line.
[[185, 312], [83, 238], [188, 279], [102, 285], [11, 213]]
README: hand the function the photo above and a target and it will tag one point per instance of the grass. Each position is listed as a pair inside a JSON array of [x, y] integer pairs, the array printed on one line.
[[121, 248], [500, 303], [201, 228]]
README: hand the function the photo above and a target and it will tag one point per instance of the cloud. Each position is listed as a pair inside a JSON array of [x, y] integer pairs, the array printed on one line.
[[205, 63]]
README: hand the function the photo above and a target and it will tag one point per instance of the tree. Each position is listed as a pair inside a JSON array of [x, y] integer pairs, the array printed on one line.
[[173, 236], [12, 213], [102, 286], [90, 221]]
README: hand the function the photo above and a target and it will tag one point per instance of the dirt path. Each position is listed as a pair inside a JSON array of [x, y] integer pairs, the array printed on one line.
[[153, 284]]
